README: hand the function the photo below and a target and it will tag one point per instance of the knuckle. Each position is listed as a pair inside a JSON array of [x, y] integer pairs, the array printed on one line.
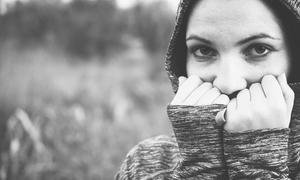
[[239, 96], [254, 86], [216, 90], [195, 79], [231, 105], [242, 93], [225, 97], [268, 78], [222, 99], [206, 84], [245, 91]]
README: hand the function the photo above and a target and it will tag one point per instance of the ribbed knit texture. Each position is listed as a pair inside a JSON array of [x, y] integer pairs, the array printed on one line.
[[199, 141], [153, 158], [257, 154], [294, 138]]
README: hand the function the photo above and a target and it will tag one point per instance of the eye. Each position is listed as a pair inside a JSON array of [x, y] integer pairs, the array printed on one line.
[[204, 52], [258, 50]]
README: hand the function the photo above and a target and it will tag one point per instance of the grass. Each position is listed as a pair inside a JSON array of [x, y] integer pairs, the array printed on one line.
[[89, 113]]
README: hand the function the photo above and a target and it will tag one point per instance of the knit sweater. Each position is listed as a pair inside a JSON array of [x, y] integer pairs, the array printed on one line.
[[200, 149]]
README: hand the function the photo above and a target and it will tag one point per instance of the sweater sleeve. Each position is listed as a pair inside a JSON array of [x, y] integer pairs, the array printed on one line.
[[294, 142], [153, 158], [199, 140], [257, 154]]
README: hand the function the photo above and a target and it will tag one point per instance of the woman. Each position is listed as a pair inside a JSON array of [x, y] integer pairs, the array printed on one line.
[[234, 114]]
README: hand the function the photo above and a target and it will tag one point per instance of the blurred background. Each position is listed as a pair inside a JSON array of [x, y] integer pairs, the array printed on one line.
[[81, 82]]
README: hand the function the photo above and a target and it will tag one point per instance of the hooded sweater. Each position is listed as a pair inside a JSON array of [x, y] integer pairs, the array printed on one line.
[[199, 149]]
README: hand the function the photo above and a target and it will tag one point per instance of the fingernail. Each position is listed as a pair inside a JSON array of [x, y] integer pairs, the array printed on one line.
[[221, 117], [181, 80]]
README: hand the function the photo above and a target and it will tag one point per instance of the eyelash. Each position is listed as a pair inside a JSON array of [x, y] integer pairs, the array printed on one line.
[[246, 52], [203, 58], [253, 46]]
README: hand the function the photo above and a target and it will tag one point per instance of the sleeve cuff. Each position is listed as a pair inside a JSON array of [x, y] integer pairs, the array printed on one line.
[[257, 153], [199, 139]]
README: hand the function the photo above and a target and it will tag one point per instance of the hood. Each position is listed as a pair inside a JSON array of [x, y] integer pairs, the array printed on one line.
[[175, 64]]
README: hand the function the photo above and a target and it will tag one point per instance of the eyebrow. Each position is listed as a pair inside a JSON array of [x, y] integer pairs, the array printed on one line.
[[195, 37], [243, 41], [257, 36]]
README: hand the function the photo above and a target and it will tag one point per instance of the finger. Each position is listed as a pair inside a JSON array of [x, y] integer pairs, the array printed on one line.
[[198, 93], [256, 93], [272, 89], [243, 99], [287, 91], [209, 97], [181, 80], [186, 89], [222, 99], [231, 107]]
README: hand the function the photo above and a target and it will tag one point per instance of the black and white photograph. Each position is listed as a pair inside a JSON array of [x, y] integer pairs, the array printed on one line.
[[149, 89]]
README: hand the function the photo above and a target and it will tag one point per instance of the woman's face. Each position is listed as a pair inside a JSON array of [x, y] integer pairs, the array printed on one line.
[[234, 43]]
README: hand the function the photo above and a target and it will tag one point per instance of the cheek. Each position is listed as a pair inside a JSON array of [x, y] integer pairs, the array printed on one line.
[[277, 64], [194, 68], [242, 70], [205, 71]]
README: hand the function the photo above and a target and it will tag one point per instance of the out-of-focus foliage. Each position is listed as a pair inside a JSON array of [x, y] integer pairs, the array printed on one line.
[[80, 85], [152, 24], [85, 27], [88, 114]]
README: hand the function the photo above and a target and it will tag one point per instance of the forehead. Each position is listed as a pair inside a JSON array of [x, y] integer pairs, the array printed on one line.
[[232, 16]]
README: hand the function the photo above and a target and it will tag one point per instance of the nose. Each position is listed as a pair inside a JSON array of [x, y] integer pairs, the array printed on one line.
[[230, 77]]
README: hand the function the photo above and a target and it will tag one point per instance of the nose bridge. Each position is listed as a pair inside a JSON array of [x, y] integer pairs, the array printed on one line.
[[230, 75]]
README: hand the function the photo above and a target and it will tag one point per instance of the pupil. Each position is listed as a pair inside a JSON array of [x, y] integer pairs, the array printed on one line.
[[260, 49], [205, 51]]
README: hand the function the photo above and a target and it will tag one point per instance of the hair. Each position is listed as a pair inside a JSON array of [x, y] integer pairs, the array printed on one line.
[[289, 22]]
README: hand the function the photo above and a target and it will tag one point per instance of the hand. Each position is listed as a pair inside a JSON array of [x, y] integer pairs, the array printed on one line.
[[265, 105], [193, 91]]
